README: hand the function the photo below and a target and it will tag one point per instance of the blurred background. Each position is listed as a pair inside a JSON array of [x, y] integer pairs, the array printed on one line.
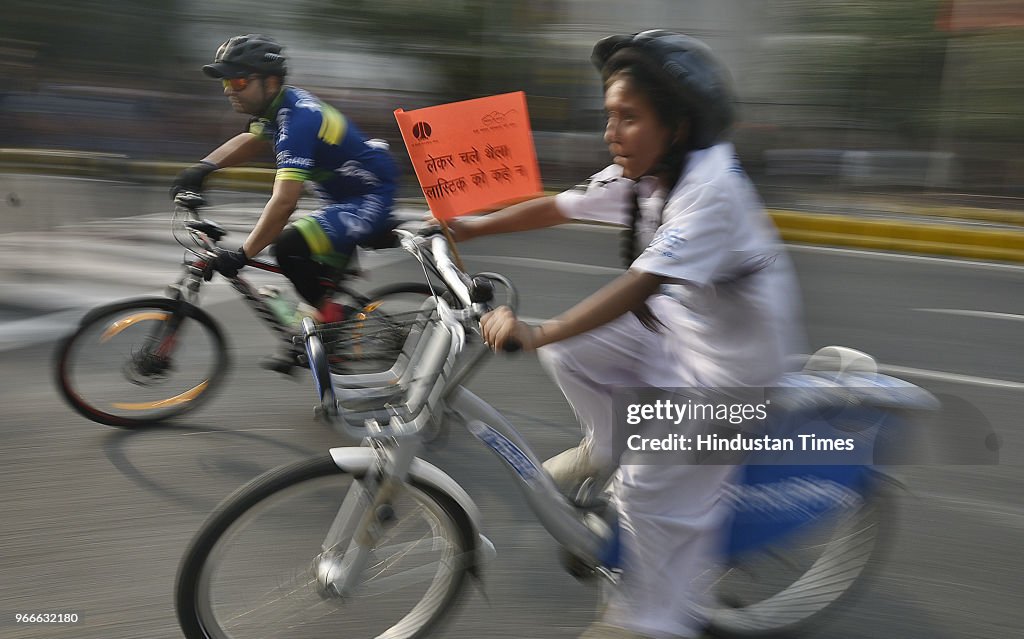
[[897, 123], [901, 94]]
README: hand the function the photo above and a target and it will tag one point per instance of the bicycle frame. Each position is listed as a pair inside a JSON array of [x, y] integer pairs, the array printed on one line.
[[434, 390], [389, 459], [204, 235], [196, 271]]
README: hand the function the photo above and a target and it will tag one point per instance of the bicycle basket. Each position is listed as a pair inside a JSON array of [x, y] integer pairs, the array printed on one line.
[[370, 341]]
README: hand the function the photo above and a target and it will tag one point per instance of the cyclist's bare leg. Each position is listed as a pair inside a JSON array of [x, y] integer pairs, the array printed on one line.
[[295, 258]]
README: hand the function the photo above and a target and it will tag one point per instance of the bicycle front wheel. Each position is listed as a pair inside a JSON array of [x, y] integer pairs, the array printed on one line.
[[255, 568], [138, 362]]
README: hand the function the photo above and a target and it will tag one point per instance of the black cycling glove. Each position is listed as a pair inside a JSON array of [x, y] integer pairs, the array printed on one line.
[[192, 178], [227, 263]]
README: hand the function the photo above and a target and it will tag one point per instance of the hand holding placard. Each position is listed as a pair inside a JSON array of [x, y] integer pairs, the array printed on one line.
[[473, 155]]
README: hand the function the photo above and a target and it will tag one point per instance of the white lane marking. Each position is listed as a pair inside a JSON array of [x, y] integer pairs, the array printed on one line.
[[904, 257], [956, 378], [33, 330], [896, 371], [553, 265], [1004, 513], [237, 430], [969, 313], [804, 248]]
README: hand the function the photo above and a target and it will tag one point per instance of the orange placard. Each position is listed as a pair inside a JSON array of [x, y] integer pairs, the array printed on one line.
[[473, 155]]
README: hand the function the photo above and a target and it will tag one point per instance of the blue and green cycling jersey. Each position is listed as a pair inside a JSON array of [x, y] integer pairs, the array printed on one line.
[[314, 142]]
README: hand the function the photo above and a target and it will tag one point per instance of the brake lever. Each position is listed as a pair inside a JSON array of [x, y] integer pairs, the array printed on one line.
[[189, 200]]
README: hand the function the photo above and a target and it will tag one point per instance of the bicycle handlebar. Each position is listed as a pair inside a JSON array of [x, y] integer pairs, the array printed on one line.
[[203, 233], [431, 352], [187, 205]]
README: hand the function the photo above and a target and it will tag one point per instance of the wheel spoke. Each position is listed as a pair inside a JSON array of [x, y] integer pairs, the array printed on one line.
[[801, 580], [259, 578], [110, 369]]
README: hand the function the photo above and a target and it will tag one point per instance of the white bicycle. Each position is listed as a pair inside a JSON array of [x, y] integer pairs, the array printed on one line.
[[372, 541]]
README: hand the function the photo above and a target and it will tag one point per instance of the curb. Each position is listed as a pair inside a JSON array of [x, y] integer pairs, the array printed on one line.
[[900, 236], [249, 178], [904, 235]]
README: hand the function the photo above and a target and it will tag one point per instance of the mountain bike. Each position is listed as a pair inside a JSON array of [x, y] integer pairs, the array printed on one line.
[[140, 361], [372, 541]]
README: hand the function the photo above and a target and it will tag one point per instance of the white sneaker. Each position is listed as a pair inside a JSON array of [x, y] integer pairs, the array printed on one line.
[[570, 468], [577, 476], [599, 630]]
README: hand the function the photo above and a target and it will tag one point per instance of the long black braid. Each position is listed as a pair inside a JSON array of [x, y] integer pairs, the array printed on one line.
[[628, 249], [629, 246]]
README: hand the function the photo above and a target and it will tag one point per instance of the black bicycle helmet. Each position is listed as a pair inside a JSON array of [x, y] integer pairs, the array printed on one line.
[[245, 54], [698, 78]]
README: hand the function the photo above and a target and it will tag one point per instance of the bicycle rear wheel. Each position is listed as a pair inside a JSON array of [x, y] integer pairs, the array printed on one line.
[[252, 571], [371, 339], [139, 362], [771, 593]]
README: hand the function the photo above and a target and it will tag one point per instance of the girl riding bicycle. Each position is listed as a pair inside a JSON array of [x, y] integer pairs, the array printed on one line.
[[709, 300]]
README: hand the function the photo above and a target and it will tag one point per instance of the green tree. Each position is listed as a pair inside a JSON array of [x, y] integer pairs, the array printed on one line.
[[81, 39], [884, 68], [472, 42]]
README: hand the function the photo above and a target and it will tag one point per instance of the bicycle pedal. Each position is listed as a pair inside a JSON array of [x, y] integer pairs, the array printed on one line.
[[588, 495], [580, 569]]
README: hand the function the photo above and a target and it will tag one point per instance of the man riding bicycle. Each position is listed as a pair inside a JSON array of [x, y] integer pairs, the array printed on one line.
[[355, 177]]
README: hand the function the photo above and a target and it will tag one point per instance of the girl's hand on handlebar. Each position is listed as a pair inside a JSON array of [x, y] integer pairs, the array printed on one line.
[[501, 330], [459, 230]]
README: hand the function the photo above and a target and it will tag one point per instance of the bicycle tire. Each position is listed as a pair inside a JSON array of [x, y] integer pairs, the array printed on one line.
[[198, 608], [118, 324], [854, 549]]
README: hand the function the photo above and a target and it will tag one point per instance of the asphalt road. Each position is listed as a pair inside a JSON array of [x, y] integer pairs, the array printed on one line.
[[95, 519]]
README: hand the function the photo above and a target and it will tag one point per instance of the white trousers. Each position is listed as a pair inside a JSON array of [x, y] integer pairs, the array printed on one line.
[[671, 515]]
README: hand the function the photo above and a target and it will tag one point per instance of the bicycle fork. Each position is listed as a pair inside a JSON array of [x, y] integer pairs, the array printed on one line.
[[358, 525], [362, 518]]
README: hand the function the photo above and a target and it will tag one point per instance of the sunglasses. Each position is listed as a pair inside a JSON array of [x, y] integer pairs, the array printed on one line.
[[236, 84]]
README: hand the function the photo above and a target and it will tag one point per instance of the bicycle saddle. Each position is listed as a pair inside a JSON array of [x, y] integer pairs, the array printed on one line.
[[385, 239], [212, 230]]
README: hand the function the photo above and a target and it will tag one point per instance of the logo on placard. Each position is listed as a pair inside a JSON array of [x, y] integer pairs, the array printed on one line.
[[421, 131], [497, 118]]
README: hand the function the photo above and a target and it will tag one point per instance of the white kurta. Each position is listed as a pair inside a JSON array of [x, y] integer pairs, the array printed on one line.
[[732, 318]]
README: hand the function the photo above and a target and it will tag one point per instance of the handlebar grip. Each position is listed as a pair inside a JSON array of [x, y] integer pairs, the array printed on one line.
[[189, 200], [430, 230], [512, 346]]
